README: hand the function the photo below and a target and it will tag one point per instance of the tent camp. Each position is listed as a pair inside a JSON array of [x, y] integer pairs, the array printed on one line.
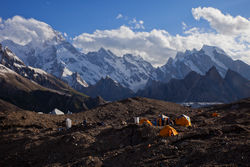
[[57, 112], [142, 121], [183, 120], [168, 131], [162, 120]]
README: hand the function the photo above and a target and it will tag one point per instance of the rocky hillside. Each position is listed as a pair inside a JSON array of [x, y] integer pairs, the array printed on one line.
[[111, 139], [29, 95], [210, 87], [11, 61], [108, 89]]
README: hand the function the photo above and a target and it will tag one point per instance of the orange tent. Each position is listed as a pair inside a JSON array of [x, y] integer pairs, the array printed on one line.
[[168, 131], [215, 114], [142, 121], [183, 120]]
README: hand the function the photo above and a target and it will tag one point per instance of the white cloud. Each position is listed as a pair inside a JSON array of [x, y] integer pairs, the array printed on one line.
[[184, 25], [0, 19], [157, 46], [153, 46], [136, 24], [223, 24], [119, 16], [23, 31]]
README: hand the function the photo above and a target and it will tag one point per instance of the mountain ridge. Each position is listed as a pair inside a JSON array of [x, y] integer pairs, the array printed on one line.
[[210, 87]]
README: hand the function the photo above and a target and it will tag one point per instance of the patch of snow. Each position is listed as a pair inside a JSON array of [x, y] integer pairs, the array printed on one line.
[[193, 67], [37, 70], [209, 50], [18, 65], [66, 72], [82, 82]]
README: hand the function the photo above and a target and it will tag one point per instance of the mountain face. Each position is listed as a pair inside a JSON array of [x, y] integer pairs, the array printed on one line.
[[210, 87], [108, 89], [34, 89], [48, 56], [200, 61], [61, 59], [11, 61], [239, 85], [29, 95]]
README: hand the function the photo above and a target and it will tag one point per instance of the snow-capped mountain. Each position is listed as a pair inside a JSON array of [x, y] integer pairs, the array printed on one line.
[[51, 57], [200, 62], [47, 49], [11, 61], [66, 62], [130, 71]]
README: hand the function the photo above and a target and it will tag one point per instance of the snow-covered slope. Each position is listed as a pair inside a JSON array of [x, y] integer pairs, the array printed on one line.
[[63, 61], [200, 62], [36, 75], [130, 71]]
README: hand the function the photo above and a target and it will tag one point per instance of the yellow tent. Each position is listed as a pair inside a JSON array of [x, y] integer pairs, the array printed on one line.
[[145, 121], [168, 131], [183, 120]]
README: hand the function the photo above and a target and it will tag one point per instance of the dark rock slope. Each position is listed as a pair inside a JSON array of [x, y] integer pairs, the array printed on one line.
[[29, 95], [197, 88], [108, 89]]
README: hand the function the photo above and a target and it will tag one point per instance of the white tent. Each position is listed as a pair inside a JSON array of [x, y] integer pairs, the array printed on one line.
[[57, 112]]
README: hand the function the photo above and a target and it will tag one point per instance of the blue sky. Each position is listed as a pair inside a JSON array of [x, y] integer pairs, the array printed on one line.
[[77, 16], [155, 30]]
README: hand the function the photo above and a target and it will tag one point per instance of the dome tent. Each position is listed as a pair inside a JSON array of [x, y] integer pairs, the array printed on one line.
[[183, 120], [168, 131], [142, 121]]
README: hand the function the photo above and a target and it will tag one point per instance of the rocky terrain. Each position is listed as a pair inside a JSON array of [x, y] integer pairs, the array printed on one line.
[[110, 138], [211, 87], [108, 89], [28, 94]]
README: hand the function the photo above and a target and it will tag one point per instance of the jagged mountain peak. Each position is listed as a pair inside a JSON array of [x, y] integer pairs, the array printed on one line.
[[192, 74], [109, 89], [232, 75], [108, 80], [132, 57], [105, 53], [213, 73], [209, 50], [200, 61], [8, 58]]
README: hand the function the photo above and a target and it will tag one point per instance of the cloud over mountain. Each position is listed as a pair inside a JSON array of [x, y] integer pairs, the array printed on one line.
[[23, 31], [156, 46], [230, 33]]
